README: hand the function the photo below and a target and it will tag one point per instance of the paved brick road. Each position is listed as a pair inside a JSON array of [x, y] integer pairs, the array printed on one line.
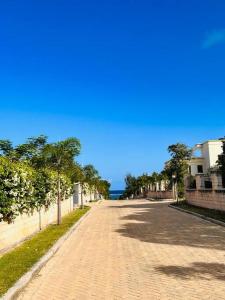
[[136, 250]]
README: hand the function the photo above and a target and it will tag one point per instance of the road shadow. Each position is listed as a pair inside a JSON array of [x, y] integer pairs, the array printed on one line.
[[200, 270], [156, 223]]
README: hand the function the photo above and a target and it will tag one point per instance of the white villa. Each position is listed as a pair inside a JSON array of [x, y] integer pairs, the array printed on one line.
[[205, 156], [206, 188]]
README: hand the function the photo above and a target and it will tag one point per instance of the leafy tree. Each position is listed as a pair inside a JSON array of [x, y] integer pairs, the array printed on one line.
[[6, 147], [91, 177], [78, 175], [75, 172], [177, 165], [32, 150], [144, 181], [155, 177], [164, 177], [90, 173], [103, 187], [137, 185], [132, 186], [60, 157], [52, 170]]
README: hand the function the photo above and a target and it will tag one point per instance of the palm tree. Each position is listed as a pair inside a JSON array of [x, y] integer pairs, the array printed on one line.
[[60, 157], [143, 183], [103, 187], [91, 176]]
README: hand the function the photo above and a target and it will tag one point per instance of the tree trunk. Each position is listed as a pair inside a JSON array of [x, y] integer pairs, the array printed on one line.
[[82, 199], [90, 191], [39, 214], [176, 192], [59, 215]]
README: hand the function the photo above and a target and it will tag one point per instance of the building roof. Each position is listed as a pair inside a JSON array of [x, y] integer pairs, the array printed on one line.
[[199, 145]]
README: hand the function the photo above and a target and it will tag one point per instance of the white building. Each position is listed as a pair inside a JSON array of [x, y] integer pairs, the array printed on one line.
[[205, 156]]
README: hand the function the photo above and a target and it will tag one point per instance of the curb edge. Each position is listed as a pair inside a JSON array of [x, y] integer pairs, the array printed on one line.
[[217, 222], [21, 283]]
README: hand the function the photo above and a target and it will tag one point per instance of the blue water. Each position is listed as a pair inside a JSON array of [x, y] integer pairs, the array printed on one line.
[[115, 194]]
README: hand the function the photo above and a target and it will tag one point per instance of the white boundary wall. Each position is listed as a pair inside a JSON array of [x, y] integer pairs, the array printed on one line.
[[85, 193], [26, 225]]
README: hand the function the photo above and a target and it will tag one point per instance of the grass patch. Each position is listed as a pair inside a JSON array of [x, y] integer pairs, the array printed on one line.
[[18, 261], [210, 213]]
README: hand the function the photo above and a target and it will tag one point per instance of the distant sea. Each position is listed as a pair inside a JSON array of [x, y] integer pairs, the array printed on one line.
[[115, 194]]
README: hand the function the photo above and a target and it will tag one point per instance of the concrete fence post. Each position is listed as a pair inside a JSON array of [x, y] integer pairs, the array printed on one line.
[[198, 182], [216, 181]]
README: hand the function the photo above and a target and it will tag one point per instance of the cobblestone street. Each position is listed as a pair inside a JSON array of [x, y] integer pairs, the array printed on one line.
[[136, 249]]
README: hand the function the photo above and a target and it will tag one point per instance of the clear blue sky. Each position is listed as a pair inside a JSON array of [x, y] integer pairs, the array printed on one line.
[[127, 78]]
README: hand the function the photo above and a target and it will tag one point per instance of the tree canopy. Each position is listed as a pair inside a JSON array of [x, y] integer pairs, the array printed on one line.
[[35, 172], [177, 165]]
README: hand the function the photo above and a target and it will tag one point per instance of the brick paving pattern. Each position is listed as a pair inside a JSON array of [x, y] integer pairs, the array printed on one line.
[[136, 249]]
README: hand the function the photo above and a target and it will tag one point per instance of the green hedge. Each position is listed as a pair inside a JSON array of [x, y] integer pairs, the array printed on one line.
[[24, 189]]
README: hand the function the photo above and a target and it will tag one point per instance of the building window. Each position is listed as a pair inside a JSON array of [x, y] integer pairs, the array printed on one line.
[[200, 169]]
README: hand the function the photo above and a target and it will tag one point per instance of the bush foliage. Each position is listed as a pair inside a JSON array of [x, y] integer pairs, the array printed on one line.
[[24, 189], [37, 173]]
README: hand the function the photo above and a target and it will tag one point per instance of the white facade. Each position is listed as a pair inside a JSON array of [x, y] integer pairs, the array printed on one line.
[[206, 158]]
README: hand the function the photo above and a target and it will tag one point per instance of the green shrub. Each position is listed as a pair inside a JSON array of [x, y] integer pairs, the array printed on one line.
[[24, 189]]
